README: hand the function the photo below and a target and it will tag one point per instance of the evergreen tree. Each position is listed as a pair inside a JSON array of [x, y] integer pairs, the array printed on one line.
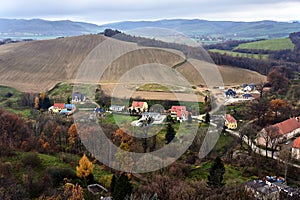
[[170, 133], [122, 187], [207, 118], [216, 172], [112, 183], [189, 118]]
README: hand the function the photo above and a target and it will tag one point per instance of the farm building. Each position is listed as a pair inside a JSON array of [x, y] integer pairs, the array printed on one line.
[[282, 131]]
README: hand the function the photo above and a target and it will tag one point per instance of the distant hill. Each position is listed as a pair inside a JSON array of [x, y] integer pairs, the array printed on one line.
[[228, 29], [38, 28], [196, 28], [37, 66]]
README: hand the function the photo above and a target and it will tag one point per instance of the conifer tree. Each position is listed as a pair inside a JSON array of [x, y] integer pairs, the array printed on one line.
[[216, 172], [170, 133]]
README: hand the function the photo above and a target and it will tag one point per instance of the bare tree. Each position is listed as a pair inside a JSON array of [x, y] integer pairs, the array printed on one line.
[[285, 157]]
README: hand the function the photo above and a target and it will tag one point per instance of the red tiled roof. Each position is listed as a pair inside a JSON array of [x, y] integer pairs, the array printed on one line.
[[178, 108], [179, 113], [59, 105], [284, 127], [137, 104], [296, 143], [230, 119]]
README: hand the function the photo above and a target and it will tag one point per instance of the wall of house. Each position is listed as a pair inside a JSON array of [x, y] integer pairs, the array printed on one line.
[[296, 153]]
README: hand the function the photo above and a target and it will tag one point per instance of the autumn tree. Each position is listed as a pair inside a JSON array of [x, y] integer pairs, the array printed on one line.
[[276, 105], [73, 192], [36, 103], [74, 139], [285, 157], [216, 172], [85, 168], [278, 81], [258, 109], [125, 160]]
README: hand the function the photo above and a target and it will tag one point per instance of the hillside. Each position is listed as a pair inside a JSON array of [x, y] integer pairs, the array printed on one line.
[[39, 65]]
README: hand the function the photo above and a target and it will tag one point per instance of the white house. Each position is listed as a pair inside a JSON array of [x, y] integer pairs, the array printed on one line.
[[116, 108]]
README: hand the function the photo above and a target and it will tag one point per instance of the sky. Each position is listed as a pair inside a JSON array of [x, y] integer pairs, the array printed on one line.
[[101, 12]]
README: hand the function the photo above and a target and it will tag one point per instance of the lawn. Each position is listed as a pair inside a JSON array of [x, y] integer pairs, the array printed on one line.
[[272, 44], [11, 103], [60, 160]]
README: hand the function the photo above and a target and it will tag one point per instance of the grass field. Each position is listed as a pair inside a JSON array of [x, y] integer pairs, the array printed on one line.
[[11, 104], [237, 54], [272, 44]]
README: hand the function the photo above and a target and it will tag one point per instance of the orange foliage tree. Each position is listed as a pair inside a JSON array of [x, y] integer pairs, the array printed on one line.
[[276, 105], [85, 167]]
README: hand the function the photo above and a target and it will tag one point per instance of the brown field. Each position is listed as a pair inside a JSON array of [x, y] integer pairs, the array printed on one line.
[[39, 65]]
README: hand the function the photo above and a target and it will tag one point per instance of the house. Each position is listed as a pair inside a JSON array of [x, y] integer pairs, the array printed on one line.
[[62, 108], [282, 131], [56, 108], [230, 122], [269, 188], [247, 96], [259, 189], [296, 149], [116, 108], [248, 87], [138, 106], [179, 112], [78, 97], [230, 93]]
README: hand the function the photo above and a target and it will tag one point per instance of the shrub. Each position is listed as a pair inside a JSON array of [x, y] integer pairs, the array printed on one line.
[[57, 174], [32, 160]]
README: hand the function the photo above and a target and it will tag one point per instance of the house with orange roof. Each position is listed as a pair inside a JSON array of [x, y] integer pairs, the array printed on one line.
[[230, 122], [282, 131], [296, 148], [179, 112], [139, 106]]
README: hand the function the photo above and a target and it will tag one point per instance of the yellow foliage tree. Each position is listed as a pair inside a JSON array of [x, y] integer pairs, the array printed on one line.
[[85, 167], [36, 102]]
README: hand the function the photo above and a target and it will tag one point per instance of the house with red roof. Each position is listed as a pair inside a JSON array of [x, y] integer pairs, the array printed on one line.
[[230, 122], [296, 148], [139, 106], [282, 131], [179, 112]]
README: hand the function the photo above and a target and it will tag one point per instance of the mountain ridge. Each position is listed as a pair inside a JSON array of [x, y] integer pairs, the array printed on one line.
[[35, 28]]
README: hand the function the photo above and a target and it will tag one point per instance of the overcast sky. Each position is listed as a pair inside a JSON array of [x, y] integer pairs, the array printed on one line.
[[100, 12]]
